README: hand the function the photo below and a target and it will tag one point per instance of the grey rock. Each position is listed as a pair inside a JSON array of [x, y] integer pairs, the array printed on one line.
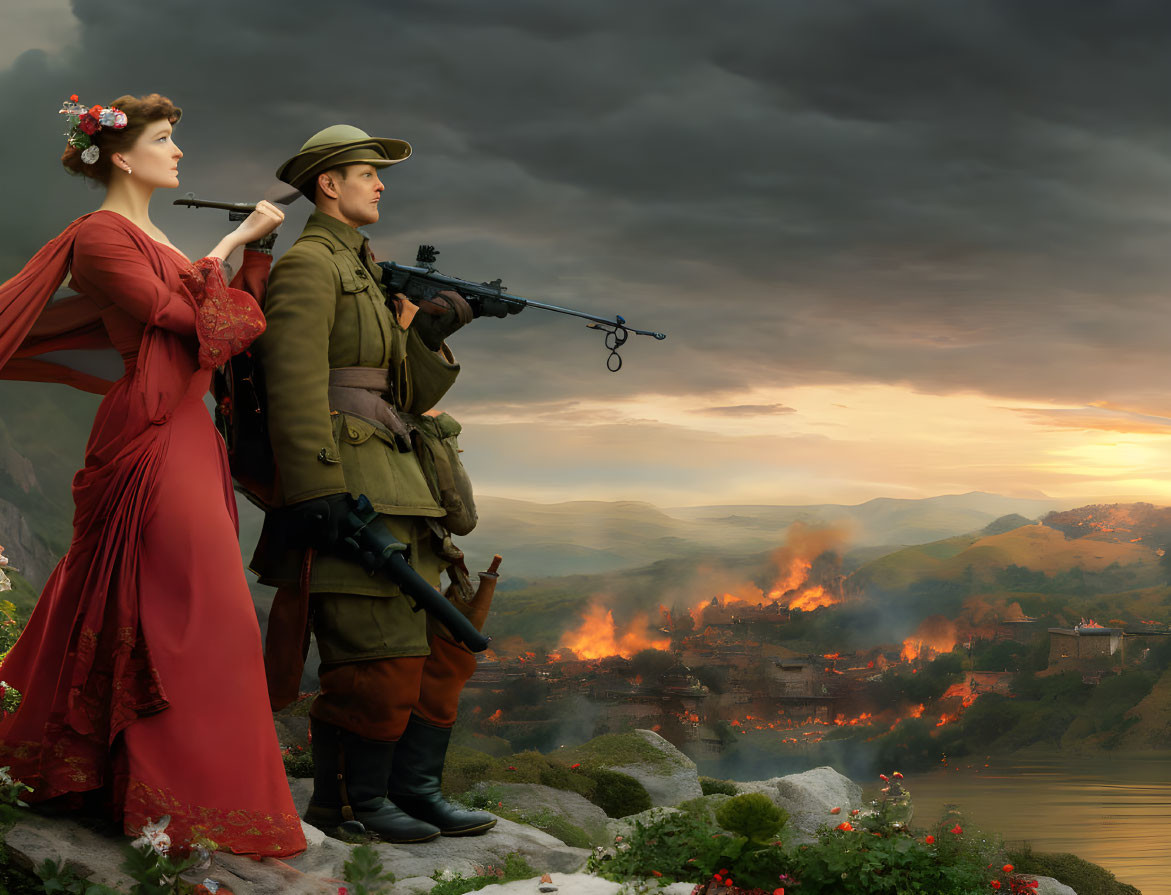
[[624, 826], [414, 885], [567, 884], [92, 856], [532, 800], [1050, 886], [809, 796], [28, 554], [669, 782], [462, 854]]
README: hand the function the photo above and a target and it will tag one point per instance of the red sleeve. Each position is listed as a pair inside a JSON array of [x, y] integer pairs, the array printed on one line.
[[107, 263]]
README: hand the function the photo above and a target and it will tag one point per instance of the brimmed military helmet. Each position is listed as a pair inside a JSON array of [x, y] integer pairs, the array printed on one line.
[[341, 144]]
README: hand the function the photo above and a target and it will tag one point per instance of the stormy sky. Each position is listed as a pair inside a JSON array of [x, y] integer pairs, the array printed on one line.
[[899, 248]]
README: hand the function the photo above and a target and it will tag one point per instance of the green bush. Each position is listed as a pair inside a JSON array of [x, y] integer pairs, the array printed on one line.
[[711, 786], [753, 816], [298, 762], [1082, 876], [619, 795]]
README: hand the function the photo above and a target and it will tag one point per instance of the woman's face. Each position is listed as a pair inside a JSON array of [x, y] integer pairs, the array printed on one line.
[[154, 157]]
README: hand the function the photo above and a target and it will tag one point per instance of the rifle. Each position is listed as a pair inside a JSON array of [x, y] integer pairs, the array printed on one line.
[[375, 550], [237, 211], [423, 281]]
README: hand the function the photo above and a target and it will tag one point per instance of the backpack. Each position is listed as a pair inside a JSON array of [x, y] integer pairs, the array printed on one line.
[[241, 417], [240, 409]]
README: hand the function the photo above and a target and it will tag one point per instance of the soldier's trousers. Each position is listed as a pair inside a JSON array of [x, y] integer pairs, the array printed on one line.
[[375, 698]]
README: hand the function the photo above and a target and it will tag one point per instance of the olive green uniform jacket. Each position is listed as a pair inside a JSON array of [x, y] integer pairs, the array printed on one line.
[[325, 309]]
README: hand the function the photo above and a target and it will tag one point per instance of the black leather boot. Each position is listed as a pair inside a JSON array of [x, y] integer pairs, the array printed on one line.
[[348, 795], [415, 781]]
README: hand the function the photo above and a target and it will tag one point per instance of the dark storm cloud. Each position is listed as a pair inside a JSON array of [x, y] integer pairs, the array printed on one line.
[[952, 196]]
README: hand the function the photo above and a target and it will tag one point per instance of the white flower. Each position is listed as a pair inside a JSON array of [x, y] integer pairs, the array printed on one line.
[[5, 584], [3, 558], [90, 154], [211, 885], [153, 835], [5, 778]]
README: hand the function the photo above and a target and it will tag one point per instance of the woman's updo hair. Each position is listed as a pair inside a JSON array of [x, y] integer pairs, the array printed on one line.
[[140, 111]]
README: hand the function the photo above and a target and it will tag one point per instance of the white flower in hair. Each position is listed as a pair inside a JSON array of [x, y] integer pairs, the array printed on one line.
[[90, 154]]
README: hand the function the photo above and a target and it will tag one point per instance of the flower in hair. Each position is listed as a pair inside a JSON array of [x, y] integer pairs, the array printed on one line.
[[84, 123]]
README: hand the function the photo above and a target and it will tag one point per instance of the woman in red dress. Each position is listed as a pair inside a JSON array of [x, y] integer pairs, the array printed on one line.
[[141, 668]]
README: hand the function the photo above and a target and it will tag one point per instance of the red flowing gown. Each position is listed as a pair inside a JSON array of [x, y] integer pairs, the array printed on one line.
[[141, 667]]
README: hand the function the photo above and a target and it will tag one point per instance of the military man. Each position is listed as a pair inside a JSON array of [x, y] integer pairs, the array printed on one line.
[[351, 377]]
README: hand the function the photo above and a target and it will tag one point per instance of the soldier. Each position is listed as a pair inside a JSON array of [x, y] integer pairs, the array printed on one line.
[[351, 379]]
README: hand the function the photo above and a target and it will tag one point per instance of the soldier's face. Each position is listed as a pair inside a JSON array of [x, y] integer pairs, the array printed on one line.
[[358, 194]]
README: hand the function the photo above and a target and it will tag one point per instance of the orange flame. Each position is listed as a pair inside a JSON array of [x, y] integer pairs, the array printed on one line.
[[935, 636], [597, 637]]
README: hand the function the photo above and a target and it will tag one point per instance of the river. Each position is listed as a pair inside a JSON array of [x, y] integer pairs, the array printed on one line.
[[1115, 812]]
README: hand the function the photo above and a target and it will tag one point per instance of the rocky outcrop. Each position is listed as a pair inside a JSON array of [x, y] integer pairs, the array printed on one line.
[[671, 779], [27, 553], [809, 796], [536, 804], [1047, 885]]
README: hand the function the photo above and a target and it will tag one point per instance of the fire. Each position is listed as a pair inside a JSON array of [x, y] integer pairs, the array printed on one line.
[[963, 691], [935, 636], [597, 637], [814, 598]]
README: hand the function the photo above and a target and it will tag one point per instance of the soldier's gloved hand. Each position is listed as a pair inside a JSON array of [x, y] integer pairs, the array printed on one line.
[[440, 316], [318, 522], [493, 307]]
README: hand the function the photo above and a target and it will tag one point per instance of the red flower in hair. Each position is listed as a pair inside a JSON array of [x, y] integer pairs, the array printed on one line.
[[94, 112], [73, 98], [87, 124]]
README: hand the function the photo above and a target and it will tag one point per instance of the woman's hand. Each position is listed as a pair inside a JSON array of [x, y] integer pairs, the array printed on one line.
[[266, 218]]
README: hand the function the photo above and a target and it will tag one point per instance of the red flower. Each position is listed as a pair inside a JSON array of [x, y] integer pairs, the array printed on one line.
[[957, 829], [778, 892], [655, 873], [1007, 868], [512, 767], [73, 98], [995, 884], [717, 878], [854, 813], [930, 840], [342, 890], [835, 810], [87, 124], [845, 826], [95, 111], [897, 775], [728, 882], [884, 778], [574, 767]]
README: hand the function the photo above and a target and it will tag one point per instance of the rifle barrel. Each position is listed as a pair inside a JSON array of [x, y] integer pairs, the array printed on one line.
[[192, 202]]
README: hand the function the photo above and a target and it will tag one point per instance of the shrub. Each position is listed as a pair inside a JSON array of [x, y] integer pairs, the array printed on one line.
[[515, 867], [619, 795], [1082, 876], [298, 761], [753, 816], [711, 786]]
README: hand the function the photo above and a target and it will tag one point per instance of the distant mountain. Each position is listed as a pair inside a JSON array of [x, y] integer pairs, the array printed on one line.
[[581, 537]]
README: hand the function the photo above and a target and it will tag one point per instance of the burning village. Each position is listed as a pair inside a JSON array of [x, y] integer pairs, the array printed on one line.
[[821, 655]]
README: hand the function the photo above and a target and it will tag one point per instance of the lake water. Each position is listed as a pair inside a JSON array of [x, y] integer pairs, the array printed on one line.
[[1115, 812]]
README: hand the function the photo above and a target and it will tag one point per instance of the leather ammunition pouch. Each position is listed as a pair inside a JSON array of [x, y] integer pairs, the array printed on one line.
[[359, 392]]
